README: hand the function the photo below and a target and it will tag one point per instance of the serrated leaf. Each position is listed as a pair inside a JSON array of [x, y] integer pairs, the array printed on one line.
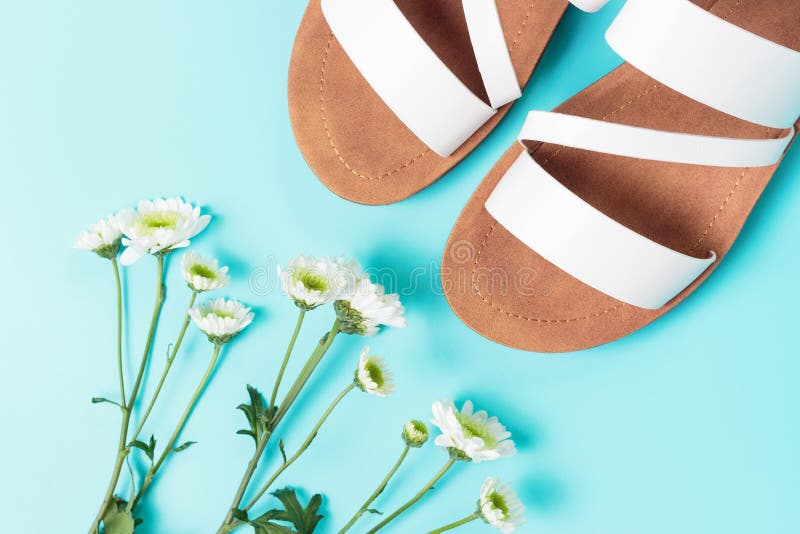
[[184, 446], [305, 520], [98, 400], [374, 511]]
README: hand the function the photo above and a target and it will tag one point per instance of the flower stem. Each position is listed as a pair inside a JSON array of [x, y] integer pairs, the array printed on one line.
[[416, 497], [167, 367], [456, 524], [122, 447], [308, 369], [302, 448], [377, 492], [151, 473], [286, 357], [115, 265], [313, 360]]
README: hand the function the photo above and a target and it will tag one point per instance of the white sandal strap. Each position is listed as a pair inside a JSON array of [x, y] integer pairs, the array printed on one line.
[[657, 145], [710, 60], [491, 52], [589, 246], [408, 76], [589, 5]]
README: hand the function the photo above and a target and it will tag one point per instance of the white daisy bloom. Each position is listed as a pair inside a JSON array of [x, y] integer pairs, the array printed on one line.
[[471, 436], [160, 226], [312, 282], [500, 507], [221, 319], [369, 307], [415, 433], [203, 274], [373, 376], [103, 237]]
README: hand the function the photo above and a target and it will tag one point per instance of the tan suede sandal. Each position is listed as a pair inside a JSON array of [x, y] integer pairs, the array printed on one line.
[[618, 205], [386, 97]]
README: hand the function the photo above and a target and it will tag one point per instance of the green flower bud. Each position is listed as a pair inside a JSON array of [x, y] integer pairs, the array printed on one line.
[[415, 433]]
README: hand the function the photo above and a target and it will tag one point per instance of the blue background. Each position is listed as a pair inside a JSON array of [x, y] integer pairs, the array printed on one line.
[[689, 425]]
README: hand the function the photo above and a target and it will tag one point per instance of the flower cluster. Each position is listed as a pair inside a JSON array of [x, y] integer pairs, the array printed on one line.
[[362, 306], [158, 227]]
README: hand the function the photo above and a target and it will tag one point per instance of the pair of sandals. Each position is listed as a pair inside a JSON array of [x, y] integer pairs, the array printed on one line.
[[611, 209]]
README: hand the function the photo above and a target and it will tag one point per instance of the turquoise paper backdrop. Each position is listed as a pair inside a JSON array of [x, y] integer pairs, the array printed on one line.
[[688, 426]]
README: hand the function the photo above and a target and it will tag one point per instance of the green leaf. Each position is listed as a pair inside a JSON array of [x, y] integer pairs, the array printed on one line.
[[148, 448], [184, 446], [374, 511], [304, 519], [141, 446], [283, 450], [256, 415], [117, 519], [240, 514], [98, 400], [273, 528]]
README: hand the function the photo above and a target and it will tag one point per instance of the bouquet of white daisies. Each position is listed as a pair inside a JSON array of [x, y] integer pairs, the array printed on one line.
[[158, 228]]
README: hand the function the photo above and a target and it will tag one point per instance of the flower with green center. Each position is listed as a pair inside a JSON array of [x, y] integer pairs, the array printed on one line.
[[159, 227], [203, 274], [368, 307], [499, 506], [471, 436], [221, 319], [415, 433], [312, 282], [373, 376], [103, 237]]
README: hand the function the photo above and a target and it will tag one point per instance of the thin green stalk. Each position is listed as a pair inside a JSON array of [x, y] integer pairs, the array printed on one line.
[[167, 366], [302, 448], [377, 492], [416, 497], [286, 357], [115, 265], [151, 473], [122, 448], [308, 369], [456, 524], [312, 363]]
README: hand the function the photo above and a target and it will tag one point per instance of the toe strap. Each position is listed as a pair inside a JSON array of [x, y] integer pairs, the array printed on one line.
[[585, 243]]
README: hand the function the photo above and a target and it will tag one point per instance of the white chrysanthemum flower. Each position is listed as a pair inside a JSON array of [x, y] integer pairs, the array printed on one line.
[[312, 282], [369, 307], [160, 226], [415, 433], [203, 274], [471, 436], [221, 319], [500, 507], [373, 376], [103, 237]]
